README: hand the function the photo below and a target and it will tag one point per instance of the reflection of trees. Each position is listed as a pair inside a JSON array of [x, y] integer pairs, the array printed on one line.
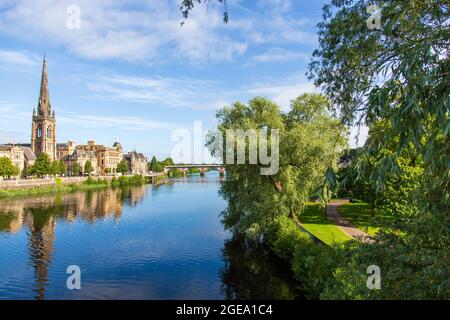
[[41, 238], [41, 213], [252, 272]]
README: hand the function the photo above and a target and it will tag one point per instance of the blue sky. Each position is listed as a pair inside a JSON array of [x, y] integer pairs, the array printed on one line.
[[131, 71]]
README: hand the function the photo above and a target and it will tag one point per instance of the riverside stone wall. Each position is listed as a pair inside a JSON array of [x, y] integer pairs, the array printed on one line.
[[34, 183]]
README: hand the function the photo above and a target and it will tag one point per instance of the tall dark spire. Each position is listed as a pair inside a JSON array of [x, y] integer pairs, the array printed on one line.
[[44, 106]]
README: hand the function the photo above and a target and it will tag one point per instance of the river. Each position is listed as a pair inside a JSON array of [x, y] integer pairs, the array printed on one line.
[[147, 242]]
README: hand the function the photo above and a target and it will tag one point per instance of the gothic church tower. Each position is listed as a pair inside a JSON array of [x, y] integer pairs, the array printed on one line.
[[43, 128]]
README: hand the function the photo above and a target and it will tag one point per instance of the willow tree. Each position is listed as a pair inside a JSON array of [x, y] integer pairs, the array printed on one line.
[[395, 72], [309, 142]]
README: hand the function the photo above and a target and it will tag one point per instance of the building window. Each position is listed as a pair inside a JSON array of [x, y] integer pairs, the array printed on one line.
[[49, 132], [39, 132]]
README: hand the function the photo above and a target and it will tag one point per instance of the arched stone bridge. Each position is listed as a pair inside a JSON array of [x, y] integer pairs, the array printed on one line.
[[202, 167]]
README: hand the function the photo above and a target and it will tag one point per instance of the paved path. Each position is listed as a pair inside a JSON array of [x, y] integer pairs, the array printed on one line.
[[346, 226]]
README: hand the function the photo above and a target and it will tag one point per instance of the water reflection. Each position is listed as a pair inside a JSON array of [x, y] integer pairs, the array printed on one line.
[[149, 242], [252, 272], [39, 215]]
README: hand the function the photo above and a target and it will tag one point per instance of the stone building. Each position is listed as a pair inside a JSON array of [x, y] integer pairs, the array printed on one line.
[[15, 154], [43, 127], [104, 159], [65, 149], [30, 157], [137, 163]]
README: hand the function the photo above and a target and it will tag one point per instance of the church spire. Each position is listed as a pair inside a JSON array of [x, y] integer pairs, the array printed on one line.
[[44, 107]]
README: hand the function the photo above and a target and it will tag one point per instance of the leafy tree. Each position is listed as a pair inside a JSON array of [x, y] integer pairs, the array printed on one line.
[[122, 167], [58, 168], [193, 170], [167, 162], [309, 137], [75, 170], [157, 166], [62, 168], [398, 75], [107, 171], [42, 166], [7, 168], [88, 167], [175, 173], [187, 6], [154, 164]]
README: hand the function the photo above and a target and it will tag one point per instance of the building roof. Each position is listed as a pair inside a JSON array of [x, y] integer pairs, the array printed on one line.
[[4, 147], [44, 106], [29, 154], [135, 155], [142, 157]]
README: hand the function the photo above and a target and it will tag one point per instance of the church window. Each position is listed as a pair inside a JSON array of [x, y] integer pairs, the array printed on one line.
[[39, 132], [49, 132]]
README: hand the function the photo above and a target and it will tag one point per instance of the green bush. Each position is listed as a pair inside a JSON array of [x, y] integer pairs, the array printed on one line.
[[313, 267], [89, 181], [58, 181], [175, 173], [288, 238], [312, 264]]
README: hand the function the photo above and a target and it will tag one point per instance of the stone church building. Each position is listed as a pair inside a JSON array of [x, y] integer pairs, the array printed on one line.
[[104, 159]]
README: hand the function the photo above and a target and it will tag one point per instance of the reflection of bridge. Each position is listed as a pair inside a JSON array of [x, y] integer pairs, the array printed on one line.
[[202, 167]]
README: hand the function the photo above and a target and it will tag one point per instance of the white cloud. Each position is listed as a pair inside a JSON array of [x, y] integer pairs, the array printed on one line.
[[282, 91], [128, 30], [279, 55], [125, 123], [146, 31], [18, 61], [18, 114], [277, 5], [18, 58], [180, 92]]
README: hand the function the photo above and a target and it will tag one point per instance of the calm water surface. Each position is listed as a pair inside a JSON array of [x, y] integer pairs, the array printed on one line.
[[149, 242]]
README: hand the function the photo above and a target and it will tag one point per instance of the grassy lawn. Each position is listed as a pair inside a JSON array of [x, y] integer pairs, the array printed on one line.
[[314, 220], [360, 215]]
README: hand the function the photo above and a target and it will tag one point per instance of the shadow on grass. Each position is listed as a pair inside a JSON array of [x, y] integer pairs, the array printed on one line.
[[314, 213], [360, 214]]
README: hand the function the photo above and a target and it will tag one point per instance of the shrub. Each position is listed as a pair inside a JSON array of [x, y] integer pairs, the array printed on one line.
[[287, 238], [114, 182]]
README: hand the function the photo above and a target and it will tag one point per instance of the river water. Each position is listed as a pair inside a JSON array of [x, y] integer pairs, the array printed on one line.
[[146, 242]]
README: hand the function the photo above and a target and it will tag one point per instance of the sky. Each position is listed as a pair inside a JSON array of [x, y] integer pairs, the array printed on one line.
[[130, 71]]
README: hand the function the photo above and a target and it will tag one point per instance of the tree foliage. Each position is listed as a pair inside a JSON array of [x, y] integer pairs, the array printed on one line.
[[187, 6], [122, 167], [75, 169], [398, 76], [309, 142], [7, 168], [88, 168], [42, 166], [155, 165]]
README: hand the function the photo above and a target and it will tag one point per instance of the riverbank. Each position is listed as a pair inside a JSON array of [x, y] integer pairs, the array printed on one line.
[[312, 264], [56, 185], [9, 193]]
